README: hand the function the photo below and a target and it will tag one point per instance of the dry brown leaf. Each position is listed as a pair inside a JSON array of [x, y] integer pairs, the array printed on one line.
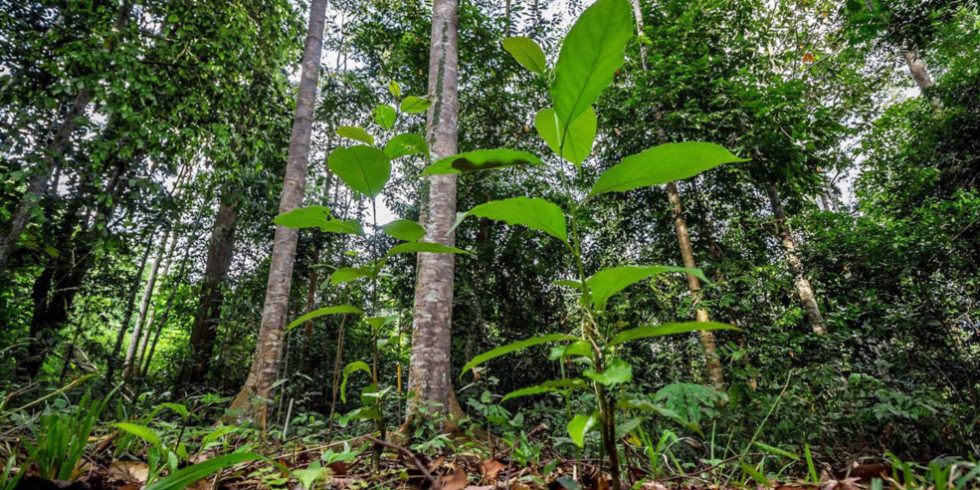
[[845, 484], [455, 481], [436, 463], [483, 487], [491, 468], [128, 471]]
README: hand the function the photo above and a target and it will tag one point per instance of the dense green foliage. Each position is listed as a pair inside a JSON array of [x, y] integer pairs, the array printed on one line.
[[144, 144]]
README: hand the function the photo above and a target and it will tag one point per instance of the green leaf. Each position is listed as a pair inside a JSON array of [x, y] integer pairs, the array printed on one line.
[[617, 372], [514, 347], [662, 164], [414, 105], [395, 89], [142, 432], [558, 385], [429, 247], [185, 477], [363, 168], [318, 217], [527, 53], [579, 137], [649, 406], [348, 274], [476, 160], [377, 322], [589, 57], [308, 476], [404, 229], [385, 116], [754, 473], [406, 144], [176, 408], [355, 133], [775, 450], [330, 310], [607, 282], [348, 370], [579, 426], [532, 212], [649, 331]]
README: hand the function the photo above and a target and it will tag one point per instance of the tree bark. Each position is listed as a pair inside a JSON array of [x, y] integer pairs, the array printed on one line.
[[432, 318], [268, 348], [127, 314], [711, 359], [803, 286], [220, 253], [151, 318], [134, 339]]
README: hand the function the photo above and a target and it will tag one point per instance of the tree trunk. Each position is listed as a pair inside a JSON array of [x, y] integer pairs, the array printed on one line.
[[268, 347], [432, 319], [711, 358], [134, 339], [220, 253], [151, 318], [127, 314], [796, 265], [175, 285], [917, 68]]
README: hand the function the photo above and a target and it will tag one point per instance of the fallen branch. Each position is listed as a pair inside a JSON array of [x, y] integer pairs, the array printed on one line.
[[406, 452]]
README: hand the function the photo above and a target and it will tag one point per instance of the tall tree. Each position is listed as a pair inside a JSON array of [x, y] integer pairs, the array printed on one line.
[[268, 347], [429, 376]]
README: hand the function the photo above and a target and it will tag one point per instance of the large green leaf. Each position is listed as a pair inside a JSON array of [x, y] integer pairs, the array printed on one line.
[[185, 477], [330, 310], [649, 406], [533, 212], [649, 331], [414, 105], [404, 229], [514, 347], [348, 274], [351, 369], [589, 57], [406, 144], [579, 426], [355, 133], [558, 385], [363, 168], [430, 247], [662, 164], [607, 282], [618, 371], [527, 53], [385, 116], [143, 432], [318, 217], [476, 160], [579, 137]]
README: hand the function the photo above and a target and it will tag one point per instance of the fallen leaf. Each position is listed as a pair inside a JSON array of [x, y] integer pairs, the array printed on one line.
[[491, 469], [455, 481], [128, 471]]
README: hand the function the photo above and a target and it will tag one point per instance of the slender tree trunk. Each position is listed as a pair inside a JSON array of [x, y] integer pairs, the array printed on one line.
[[338, 366], [178, 278], [432, 320], [128, 313], [151, 317], [803, 286], [134, 339], [220, 253], [268, 348], [917, 68], [711, 358]]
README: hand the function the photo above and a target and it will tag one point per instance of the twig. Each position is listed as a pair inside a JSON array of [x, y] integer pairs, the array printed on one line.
[[407, 452]]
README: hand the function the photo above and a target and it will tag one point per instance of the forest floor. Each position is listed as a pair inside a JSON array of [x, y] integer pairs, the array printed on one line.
[[298, 466]]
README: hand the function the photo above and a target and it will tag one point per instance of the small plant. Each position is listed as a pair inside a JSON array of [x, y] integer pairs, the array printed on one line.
[[62, 436], [589, 59]]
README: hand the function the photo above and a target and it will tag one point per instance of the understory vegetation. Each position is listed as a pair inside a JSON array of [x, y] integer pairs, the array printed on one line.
[[462, 244]]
